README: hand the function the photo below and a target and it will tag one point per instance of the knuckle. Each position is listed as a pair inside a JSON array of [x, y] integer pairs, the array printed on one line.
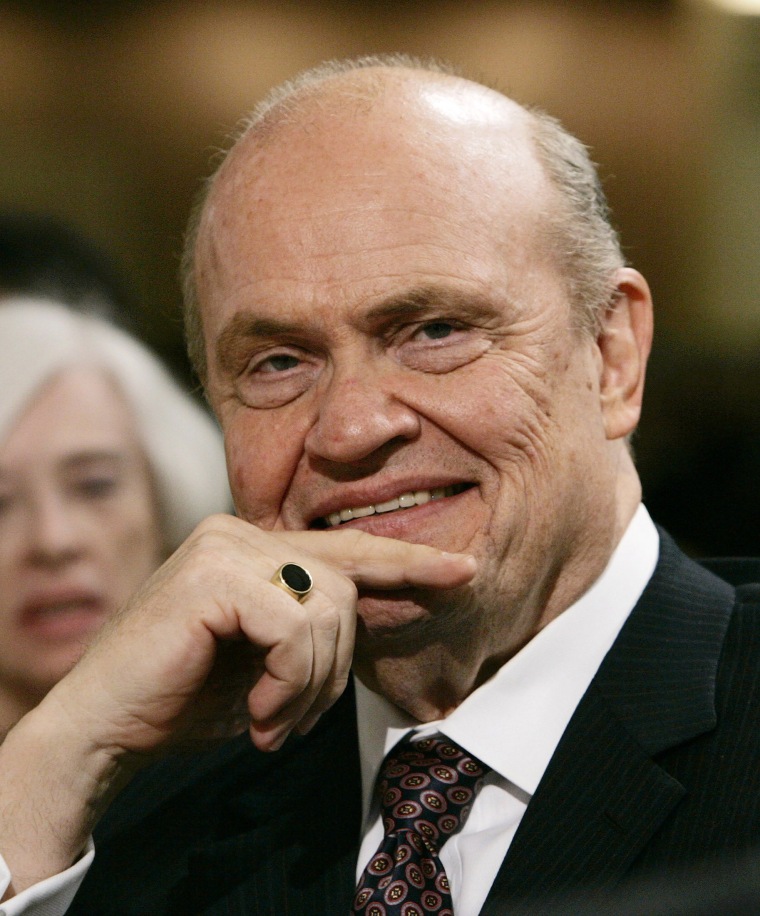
[[208, 560], [345, 591], [212, 524], [221, 528]]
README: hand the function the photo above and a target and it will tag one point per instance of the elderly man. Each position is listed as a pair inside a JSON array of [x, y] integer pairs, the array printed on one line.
[[414, 323]]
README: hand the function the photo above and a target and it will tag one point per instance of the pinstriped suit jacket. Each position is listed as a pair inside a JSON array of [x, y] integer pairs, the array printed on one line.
[[658, 768]]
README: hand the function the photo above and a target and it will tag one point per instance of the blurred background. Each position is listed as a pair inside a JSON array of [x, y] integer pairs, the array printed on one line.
[[111, 111]]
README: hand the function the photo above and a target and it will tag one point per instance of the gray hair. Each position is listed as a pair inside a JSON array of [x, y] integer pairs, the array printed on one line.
[[183, 445], [580, 230]]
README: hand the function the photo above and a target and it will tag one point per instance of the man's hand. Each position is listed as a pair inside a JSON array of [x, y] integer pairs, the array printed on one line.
[[206, 647], [210, 630]]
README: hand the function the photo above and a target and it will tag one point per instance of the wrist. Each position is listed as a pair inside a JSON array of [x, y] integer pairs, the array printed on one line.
[[55, 782]]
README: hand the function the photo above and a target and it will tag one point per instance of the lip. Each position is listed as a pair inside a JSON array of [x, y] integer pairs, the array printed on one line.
[[62, 612], [355, 497]]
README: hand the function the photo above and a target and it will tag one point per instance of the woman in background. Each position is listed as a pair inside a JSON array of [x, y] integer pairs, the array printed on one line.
[[106, 465]]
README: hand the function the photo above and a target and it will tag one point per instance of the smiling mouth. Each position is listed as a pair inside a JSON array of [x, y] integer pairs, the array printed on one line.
[[404, 501]]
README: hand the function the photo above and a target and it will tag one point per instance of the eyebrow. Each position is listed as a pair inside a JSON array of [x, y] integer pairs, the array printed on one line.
[[94, 456], [82, 459], [246, 326], [420, 301]]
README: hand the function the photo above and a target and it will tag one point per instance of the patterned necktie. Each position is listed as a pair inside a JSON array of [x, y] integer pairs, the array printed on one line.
[[426, 789]]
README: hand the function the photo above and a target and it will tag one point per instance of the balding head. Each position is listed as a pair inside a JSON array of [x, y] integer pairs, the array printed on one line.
[[428, 114]]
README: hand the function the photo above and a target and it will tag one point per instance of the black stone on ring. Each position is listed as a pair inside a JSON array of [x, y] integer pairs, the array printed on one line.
[[294, 579]]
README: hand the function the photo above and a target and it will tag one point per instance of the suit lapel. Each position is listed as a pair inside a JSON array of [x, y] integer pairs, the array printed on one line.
[[603, 795]]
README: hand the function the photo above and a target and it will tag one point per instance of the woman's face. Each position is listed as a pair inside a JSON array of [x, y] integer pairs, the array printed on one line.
[[79, 529]]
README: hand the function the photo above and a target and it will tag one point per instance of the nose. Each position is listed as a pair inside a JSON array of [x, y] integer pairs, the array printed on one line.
[[360, 411], [55, 534]]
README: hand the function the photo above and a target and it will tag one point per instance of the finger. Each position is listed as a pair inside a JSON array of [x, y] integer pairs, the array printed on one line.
[[281, 700], [384, 563], [281, 629], [334, 645]]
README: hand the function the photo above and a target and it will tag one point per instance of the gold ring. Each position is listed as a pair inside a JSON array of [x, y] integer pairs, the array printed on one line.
[[293, 579]]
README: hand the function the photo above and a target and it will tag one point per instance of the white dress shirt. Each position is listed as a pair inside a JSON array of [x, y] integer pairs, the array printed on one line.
[[515, 720], [50, 897], [531, 699]]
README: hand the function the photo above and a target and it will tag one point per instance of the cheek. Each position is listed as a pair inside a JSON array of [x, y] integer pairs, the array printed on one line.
[[499, 412], [128, 530], [136, 543], [9, 587], [262, 454]]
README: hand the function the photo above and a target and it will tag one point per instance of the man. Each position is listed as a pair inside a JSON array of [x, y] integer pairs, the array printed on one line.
[[427, 355]]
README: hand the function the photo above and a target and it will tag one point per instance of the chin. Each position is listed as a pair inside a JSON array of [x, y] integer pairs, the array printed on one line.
[[393, 624], [389, 613]]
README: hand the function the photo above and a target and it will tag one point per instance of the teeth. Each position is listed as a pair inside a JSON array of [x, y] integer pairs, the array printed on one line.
[[363, 512], [405, 501]]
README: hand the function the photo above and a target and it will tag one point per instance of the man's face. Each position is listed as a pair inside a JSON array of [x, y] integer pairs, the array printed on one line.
[[390, 348]]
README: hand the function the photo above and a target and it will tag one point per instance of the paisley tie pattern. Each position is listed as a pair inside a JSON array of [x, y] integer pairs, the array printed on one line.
[[426, 789]]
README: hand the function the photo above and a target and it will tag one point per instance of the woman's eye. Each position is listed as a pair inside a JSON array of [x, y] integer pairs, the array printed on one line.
[[97, 487]]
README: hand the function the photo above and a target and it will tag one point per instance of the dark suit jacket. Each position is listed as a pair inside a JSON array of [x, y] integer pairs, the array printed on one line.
[[658, 768]]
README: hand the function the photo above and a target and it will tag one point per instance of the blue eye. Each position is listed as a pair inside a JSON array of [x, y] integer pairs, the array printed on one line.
[[279, 363]]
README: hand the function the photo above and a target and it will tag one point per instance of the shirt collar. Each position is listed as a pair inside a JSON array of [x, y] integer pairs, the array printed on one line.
[[533, 696]]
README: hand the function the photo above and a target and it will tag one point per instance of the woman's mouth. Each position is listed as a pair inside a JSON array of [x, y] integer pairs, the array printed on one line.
[[63, 617]]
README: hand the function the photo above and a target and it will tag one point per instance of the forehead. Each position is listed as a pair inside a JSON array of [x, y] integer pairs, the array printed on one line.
[[414, 181], [76, 409]]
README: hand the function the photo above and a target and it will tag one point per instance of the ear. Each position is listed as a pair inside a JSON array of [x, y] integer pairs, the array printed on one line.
[[624, 342]]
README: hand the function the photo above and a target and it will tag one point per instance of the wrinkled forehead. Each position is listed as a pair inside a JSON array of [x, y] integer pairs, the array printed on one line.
[[325, 194]]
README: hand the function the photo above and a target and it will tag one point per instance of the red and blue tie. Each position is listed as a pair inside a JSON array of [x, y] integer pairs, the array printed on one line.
[[425, 789]]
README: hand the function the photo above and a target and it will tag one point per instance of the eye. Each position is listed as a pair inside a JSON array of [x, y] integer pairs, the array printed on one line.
[[441, 346], [437, 330], [275, 377], [98, 487], [280, 362]]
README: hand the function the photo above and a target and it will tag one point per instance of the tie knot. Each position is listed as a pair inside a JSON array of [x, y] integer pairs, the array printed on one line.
[[427, 787]]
